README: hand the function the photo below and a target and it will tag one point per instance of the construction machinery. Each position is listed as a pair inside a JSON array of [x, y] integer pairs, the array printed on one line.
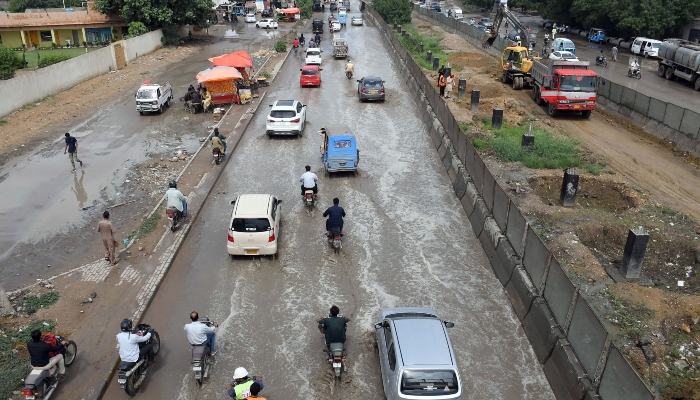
[[503, 13], [516, 62]]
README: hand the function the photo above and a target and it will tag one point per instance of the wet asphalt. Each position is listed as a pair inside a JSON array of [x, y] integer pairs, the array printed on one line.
[[407, 243]]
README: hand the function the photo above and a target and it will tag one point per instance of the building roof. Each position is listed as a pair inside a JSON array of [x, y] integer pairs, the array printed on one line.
[[51, 19]]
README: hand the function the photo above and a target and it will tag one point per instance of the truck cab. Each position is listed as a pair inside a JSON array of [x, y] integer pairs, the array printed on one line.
[[565, 86]]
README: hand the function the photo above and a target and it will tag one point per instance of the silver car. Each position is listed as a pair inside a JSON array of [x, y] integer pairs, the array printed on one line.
[[415, 355], [371, 88]]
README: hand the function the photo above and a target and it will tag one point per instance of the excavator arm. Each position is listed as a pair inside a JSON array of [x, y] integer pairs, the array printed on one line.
[[503, 13]]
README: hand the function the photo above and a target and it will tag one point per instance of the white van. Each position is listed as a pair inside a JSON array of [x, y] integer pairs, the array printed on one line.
[[646, 47], [456, 13], [254, 226]]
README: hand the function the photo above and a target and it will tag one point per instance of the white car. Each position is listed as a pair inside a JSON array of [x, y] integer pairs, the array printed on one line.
[[356, 21], [250, 18], [335, 26], [313, 56], [563, 55], [287, 117], [266, 24], [254, 226]]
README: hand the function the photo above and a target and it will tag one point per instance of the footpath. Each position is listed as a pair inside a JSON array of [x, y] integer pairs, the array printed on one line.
[[95, 297]]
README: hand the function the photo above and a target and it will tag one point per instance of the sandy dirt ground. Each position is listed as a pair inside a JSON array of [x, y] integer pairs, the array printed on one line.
[[646, 182]]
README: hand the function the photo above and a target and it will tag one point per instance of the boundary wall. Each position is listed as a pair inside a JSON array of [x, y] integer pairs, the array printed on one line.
[[573, 347], [33, 86]]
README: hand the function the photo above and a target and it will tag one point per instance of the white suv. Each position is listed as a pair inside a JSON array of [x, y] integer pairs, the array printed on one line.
[[266, 24], [287, 117], [254, 226]]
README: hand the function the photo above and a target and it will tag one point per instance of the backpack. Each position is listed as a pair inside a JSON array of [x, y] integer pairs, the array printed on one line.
[[50, 338]]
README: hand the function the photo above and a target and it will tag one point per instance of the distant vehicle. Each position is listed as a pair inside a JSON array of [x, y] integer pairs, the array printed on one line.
[[342, 18], [287, 117], [334, 6], [340, 149], [564, 86], [486, 22], [250, 18], [435, 6], [152, 97], [313, 56], [680, 59], [356, 21], [483, 29], [563, 55], [267, 24], [371, 88], [317, 25], [335, 26], [254, 227], [310, 76], [596, 35], [416, 357], [563, 44], [646, 47], [266, 13], [340, 47]]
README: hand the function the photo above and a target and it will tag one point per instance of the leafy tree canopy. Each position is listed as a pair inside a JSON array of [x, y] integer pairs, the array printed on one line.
[[21, 5], [159, 12], [398, 11]]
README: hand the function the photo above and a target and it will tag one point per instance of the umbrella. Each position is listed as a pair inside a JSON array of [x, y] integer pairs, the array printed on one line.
[[290, 11], [218, 74], [237, 59]]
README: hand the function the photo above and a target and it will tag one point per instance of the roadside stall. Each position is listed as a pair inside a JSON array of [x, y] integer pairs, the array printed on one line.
[[243, 63], [289, 14], [221, 84]]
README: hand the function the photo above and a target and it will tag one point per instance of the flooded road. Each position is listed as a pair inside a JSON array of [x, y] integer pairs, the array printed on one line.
[[407, 243]]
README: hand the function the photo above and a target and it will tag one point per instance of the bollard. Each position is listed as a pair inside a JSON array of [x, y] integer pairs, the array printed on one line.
[[528, 139], [429, 56], [461, 88], [436, 63], [569, 187], [475, 99], [635, 248], [420, 47], [497, 118]]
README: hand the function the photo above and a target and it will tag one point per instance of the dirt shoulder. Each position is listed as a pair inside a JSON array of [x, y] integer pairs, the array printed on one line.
[[629, 179]]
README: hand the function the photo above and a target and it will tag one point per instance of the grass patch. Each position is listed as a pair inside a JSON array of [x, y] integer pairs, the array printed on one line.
[[34, 56], [548, 152], [431, 42], [14, 366], [42, 301], [147, 226], [3, 122], [629, 317], [145, 72]]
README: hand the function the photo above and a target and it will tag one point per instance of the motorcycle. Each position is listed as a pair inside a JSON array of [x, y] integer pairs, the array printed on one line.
[[174, 217], [41, 384], [218, 156], [335, 239], [202, 359], [601, 60], [634, 73], [309, 198], [336, 354], [348, 74], [131, 375]]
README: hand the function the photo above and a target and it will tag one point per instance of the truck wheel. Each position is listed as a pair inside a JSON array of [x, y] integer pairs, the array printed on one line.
[[552, 110], [160, 110], [669, 74], [662, 70], [697, 83], [504, 77], [586, 113], [515, 83]]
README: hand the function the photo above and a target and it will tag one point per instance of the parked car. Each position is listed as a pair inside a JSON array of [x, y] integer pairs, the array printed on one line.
[[563, 55], [313, 56], [486, 22], [254, 226], [310, 76], [250, 18], [415, 355], [483, 29], [335, 26], [267, 24], [356, 21], [287, 117], [371, 88]]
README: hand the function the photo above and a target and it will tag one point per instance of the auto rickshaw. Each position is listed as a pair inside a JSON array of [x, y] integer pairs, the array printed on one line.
[[340, 151], [596, 35]]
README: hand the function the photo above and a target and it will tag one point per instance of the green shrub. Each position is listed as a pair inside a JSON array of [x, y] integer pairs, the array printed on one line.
[[137, 28], [42, 301], [305, 6], [281, 46], [398, 11], [171, 35], [53, 59], [9, 62]]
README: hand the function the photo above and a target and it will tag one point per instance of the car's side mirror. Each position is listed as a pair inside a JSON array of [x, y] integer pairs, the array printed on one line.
[[270, 105], [358, 80], [320, 69], [300, 69], [303, 105], [448, 324], [378, 325], [279, 201], [383, 81], [233, 202]]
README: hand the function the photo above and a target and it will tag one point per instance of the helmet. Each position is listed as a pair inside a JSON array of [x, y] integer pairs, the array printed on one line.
[[173, 184], [239, 373], [125, 325]]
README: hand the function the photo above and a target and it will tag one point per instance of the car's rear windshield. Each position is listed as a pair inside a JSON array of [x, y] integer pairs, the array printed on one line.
[[372, 83], [308, 72], [429, 383], [283, 114], [313, 53], [250, 225]]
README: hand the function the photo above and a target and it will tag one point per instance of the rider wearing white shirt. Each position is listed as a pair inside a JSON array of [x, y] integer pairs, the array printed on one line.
[[129, 349], [308, 180], [176, 198], [199, 333]]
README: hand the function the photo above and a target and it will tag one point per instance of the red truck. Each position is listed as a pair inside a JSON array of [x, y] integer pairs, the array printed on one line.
[[564, 86]]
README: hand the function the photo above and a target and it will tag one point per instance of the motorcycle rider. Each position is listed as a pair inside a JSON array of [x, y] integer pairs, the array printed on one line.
[[296, 45], [199, 333], [600, 57], [308, 181], [333, 327], [634, 66], [240, 387], [302, 39], [129, 349], [335, 216], [218, 141], [176, 199], [317, 39], [350, 68], [39, 354]]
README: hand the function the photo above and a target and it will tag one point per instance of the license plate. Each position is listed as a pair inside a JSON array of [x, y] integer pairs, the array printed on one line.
[[196, 368], [342, 164], [251, 252], [577, 106], [121, 381], [337, 365], [29, 397], [372, 92], [309, 200]]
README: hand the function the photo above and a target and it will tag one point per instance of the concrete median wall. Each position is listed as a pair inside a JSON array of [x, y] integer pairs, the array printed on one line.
[[33, 86], [568, 339]]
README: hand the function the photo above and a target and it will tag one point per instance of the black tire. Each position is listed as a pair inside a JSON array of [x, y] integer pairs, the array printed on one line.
[[173, 225], [639, 75], [130, 386], [217, 161], [141, 112], [504, 77], [697, 83], [552, 110], [199, 381], [669, 74], [155, 339], [586, 113], [160, 110], [605, 63], [514, 84], [629, 73], [662, 70], [70, 353]]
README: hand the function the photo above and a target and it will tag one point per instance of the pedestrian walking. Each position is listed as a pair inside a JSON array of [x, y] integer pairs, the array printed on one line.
[[441, 72], [72, 149], [442, 84], [448, 86], [614, 53], [106, 230]]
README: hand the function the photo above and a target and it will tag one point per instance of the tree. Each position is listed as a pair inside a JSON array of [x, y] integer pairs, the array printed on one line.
[[9, 62], [137, 28], [19, 6], [159, 13], [305, 6], [398, 11]]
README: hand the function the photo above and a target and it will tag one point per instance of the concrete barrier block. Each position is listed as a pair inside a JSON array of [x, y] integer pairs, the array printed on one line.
[[452, 174], [505, 262], [657, 109], [478, 174], [673, 116], [564, 373], [442, 149], [489, 238], [641, 104], [521, 292], [690, 124], [460, 184], [515, 230], [627, 98], [488, 188], [501, 201], [469, 198], [591, 395], [478, 216], [471, 156], [541, 329], [536, 257], [462, 148], [456, 163], [615, 92]]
